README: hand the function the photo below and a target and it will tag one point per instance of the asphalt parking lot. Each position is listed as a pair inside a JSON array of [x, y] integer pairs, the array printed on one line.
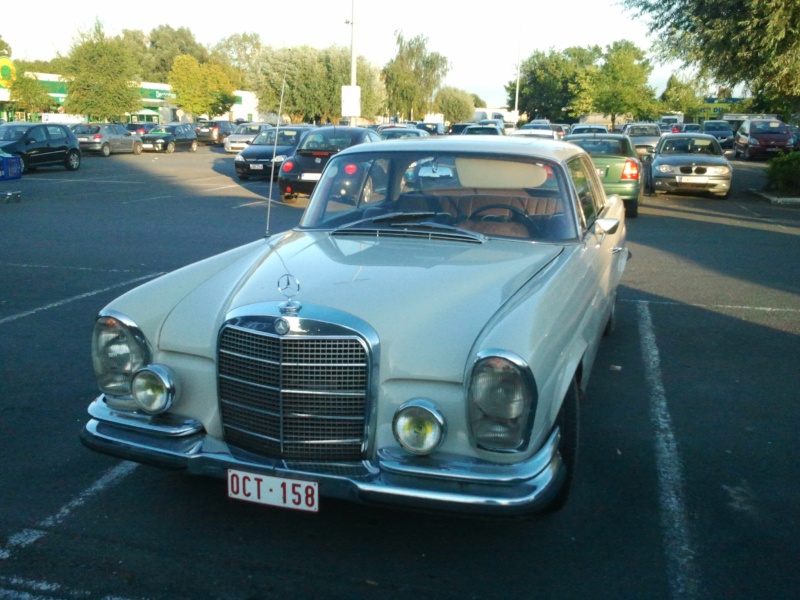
[[687, 484]]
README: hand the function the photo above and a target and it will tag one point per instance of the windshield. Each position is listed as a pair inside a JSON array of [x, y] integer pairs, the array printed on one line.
[[286, 137], [597, 147], [162, 130], [330, 141], [716, 126], [248, 129], [690, 146], [644, 130], [10, 133], [399, 193]]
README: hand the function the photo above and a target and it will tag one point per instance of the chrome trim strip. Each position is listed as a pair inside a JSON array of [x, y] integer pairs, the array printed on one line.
[[167, 424]]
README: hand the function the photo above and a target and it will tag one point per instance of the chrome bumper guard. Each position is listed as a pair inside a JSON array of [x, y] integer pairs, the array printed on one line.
[[448, 483]]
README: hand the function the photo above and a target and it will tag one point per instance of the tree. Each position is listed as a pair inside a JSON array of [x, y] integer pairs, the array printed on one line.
[[138, 44], [201, 88], [166, 44], [456, 105], [477, 101], [686, 97], [751, 42], [618, 85], [101, 77], [242, 52], [28, 94], [5, 49], [548, 81], [413, 76]]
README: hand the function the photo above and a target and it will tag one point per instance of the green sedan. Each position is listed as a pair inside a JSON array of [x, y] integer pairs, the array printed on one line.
[[618, 166]]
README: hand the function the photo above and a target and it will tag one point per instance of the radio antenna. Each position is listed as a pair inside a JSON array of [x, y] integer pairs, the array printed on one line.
[[275, 147]]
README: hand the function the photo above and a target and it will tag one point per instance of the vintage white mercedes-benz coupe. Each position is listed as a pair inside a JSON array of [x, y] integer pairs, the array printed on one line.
[[421, 339]]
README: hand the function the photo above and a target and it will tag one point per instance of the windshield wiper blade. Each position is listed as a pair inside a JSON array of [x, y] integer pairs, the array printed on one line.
[[395, 216]]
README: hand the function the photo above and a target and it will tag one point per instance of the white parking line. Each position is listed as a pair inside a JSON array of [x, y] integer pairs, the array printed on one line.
[[26, 537], [682, 572], [33, 311], [714, 306], [31, 589]]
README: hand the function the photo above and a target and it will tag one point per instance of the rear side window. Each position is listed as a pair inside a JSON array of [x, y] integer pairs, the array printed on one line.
[[56, 132]]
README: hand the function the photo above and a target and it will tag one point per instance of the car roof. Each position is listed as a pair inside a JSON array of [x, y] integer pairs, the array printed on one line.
[[500, 145], [595, 136], [688, 134]]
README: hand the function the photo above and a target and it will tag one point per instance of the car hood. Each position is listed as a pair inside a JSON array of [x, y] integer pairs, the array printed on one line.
[[443, 291]]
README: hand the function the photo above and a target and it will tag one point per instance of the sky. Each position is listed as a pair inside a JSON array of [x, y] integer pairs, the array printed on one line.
[[482, 40]]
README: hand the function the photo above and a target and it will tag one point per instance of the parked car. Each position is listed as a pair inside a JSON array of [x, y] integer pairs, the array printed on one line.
[[762, 138], [720, 130], [458, 128], [482, 130], [41, 144], [213, 132], [544, 130], [243, 135], [560, 129], [141, 128], [396, 133], [171, 137], [107, 138], [257, 159], [422, 339], [301, 171], [581, 128], [690, 163], [644, 136], [618, 164], [432, 128], [685, 127]]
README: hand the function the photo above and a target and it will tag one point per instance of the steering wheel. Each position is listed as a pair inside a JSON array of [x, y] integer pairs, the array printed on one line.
[[517, 214]]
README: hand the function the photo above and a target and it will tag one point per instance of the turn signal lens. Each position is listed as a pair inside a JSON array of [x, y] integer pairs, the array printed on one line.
[[418, 426]]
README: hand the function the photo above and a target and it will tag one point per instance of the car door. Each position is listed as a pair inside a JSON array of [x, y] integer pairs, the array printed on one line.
[[35, 145], [603, 252], [58, 143]]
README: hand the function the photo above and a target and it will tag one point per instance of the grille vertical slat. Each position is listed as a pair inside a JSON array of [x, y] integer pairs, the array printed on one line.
[[296, 398]]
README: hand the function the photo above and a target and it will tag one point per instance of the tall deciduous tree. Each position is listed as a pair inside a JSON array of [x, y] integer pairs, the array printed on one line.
[[687, 97], [101, 76], [166, 44], [456, 105], [413, 76], [28, 94], [751, 42], [201, 88]]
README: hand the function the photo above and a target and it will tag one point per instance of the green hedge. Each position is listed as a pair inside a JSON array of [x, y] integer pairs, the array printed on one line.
[[783, 172]]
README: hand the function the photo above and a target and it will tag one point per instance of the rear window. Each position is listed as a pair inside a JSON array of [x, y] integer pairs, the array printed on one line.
[[86, 129], [603, 147], [716, 126], [769, 127], [328, 141]]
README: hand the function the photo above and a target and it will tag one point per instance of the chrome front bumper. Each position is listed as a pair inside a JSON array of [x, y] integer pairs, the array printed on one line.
[[447, 483]]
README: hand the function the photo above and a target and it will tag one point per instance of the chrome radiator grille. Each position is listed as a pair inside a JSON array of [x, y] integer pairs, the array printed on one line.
[[296, 398]]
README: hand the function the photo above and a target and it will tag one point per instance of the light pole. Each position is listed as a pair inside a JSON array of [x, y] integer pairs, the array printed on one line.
[[352, 23]]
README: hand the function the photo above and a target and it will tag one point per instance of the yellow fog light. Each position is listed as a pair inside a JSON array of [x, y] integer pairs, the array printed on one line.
[[418, 426], [153, 388]]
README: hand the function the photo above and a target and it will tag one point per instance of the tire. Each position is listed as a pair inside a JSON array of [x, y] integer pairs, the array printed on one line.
[[105, 150], [73, 160], [25, 166], [631, 209], [170, 148], [137, 148], [568, 422], [611, 324], [193, 147]]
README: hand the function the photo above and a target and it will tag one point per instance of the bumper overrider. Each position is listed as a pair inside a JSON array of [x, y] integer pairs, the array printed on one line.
[[450, 483]]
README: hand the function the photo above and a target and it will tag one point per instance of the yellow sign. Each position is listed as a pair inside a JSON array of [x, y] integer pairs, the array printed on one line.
[[8, 72]]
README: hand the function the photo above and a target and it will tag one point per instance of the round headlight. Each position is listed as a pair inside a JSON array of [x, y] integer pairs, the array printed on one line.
[[418, 426], [153, 389], [238, 157]]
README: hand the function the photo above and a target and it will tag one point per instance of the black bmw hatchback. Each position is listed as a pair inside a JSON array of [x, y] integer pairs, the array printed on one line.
[[257, 159], [301, 171], [41, 145]]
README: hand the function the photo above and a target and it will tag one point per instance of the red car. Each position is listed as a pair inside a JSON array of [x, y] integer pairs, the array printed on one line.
[[762, 137]]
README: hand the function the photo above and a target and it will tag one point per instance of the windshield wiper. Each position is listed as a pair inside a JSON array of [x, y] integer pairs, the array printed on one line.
[[387, 218]]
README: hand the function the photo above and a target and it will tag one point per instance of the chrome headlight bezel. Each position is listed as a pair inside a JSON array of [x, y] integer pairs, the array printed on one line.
[[153, 388], [119, 349], [406, 423], [501, 402]]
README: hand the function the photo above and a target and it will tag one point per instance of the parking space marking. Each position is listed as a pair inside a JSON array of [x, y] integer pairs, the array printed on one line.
[[39, 309], [19, 588], [27, 537], [683, 575], [714, 306]]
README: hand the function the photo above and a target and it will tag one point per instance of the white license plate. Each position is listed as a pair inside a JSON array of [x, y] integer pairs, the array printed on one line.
[[83, 139], [147, 145], [256, 167], [774, 149], [273, 491], [690, 179], [310, 176]]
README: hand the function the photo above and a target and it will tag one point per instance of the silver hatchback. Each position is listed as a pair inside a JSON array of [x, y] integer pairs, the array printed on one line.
[[107, 138]]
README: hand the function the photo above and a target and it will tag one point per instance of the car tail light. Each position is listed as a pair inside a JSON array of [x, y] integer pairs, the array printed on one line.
[[97, 136], [287, 166], [676, 129], [630, 170]]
